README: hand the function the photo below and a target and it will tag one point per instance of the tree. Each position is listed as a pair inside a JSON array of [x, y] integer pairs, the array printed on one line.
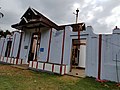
[[4, 34], [1, 33], [7, 32]]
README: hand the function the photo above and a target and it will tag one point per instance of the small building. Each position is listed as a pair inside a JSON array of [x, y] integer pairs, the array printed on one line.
[[61, 49], [47, 46]]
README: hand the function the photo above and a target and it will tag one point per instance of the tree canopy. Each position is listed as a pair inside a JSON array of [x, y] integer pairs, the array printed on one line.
[[4, 34]]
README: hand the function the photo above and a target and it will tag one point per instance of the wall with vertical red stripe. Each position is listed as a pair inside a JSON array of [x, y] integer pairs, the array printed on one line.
[[101, 61], [56, 46], [45, 36], [26, 41], [16, 43], [92, 45], [2, 42]]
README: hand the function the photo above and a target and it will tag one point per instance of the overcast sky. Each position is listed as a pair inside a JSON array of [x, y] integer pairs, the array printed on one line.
[[102, 15]]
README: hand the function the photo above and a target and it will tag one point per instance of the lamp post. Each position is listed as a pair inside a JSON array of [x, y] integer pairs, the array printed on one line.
[[77, 11]]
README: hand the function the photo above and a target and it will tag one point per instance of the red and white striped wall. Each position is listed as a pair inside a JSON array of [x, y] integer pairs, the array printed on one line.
[[50, 67], [9, 60]]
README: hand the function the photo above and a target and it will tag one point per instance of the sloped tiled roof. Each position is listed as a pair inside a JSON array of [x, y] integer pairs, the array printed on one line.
[[32, 16]]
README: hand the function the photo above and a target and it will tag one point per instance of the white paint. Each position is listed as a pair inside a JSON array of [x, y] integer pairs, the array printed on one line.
[[82, 56], [1, 45], [91, 53], [56, 46], [110, 47], [26, 41], [45, 34], [34, 64], [48, 67], [30, 64], [12, 60], [8, 61], [40, 66], [5, 59], [56, 68], [15, 44], [67, 46]]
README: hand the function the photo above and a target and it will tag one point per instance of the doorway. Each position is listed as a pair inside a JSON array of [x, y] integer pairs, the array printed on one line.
[[75, 55], [35, 44], [7, 52], [78, 57]]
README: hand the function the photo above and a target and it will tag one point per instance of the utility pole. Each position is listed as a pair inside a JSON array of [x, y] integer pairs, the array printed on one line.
[[77, 11]]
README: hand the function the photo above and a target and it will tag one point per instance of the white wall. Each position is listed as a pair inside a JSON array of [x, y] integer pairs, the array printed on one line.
[[5, 46], [45, 34], [26, 41], [56, 46], [82, 56], [110, 47], [15, 41], [67, 46], [91, 54], [1, 45]]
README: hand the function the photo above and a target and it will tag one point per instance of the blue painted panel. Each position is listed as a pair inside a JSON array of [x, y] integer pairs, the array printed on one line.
[[41, 49]]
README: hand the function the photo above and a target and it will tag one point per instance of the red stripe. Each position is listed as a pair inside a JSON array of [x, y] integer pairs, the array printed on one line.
[[99, 56], [65, 69], [49, 45], [43, 66], [9, 49], [62, 51], [52, 67], [2, 49], [37, 65], [21, 61], [9, 52], [61, 69], [18, 54], [17, 61], [32, 63]]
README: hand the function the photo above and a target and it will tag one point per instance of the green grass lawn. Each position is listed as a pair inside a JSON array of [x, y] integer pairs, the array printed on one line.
[[12, 78]]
